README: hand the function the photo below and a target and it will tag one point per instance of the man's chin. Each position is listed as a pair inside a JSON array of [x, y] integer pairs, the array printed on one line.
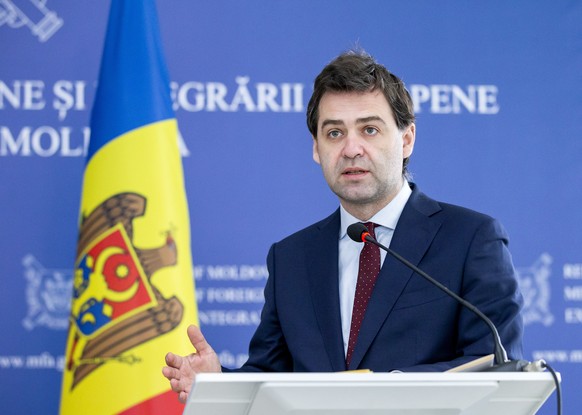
[[357, 198]]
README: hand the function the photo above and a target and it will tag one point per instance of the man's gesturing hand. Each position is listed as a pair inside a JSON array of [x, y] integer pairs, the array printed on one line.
[[181, 370]]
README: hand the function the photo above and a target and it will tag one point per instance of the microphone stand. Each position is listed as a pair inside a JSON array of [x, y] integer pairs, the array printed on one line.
[[359, 233]]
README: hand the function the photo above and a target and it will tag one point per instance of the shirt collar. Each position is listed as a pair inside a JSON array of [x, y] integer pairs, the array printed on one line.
[[388, 216]]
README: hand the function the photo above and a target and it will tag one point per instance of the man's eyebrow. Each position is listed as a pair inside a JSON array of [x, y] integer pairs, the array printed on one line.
[[363, 120], [370, 118], [331, 122]]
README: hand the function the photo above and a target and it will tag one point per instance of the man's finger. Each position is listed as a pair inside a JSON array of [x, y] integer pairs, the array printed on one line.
[[169, 358], [170, 373], [173, 360], [198, 341], [176, 386]]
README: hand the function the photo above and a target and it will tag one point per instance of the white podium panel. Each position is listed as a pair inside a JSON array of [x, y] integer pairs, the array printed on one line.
[[369, 393]]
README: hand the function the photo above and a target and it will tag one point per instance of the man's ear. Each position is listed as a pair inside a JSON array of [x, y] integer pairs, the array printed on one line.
[[315, 151], [408, 137]]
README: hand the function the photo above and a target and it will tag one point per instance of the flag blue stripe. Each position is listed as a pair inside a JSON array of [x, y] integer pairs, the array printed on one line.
[[133, 88]]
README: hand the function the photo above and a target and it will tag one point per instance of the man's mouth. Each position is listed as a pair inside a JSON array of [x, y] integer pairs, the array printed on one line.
[[354, 171]]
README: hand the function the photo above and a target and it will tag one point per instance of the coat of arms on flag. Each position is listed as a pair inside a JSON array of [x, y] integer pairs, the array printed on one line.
[[115, 305]]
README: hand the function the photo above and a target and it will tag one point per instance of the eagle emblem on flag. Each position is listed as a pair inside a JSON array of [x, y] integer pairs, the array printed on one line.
[[115, 305]]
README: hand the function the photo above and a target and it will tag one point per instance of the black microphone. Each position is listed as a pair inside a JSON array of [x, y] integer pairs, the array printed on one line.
[[359, 232]]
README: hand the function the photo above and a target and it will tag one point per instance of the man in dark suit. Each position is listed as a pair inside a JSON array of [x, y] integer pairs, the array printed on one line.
[[332, 304]]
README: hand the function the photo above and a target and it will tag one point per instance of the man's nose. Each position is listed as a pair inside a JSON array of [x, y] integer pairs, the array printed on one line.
[[353, 146]]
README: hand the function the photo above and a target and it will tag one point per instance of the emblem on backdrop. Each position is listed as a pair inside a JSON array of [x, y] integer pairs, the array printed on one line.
[[48, 295], [42, 22], [535, 287]]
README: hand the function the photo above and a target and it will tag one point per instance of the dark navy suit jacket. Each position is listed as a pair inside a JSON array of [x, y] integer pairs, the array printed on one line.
[[410, 325]]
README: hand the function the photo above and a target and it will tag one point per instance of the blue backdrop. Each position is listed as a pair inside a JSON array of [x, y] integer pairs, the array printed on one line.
[[498, 93]]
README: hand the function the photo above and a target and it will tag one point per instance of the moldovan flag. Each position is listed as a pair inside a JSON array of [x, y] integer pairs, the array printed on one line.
[[133, 293]]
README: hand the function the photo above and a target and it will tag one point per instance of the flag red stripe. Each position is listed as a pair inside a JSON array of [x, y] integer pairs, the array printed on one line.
[[166, 403]]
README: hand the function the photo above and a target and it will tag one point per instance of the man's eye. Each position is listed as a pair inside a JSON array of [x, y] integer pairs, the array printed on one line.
[[334, 134], [370, 131]]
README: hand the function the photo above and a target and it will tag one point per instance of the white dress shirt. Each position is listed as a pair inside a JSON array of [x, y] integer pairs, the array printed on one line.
[[349, 252]]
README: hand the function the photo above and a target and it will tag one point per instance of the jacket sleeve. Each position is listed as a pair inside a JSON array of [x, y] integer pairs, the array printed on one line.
[[490, 283]]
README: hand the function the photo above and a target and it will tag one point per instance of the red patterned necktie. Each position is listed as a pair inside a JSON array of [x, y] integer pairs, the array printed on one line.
[[367, 275]]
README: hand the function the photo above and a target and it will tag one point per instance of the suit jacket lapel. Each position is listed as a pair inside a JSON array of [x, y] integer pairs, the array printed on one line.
[[323, 279], [412, 237]]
